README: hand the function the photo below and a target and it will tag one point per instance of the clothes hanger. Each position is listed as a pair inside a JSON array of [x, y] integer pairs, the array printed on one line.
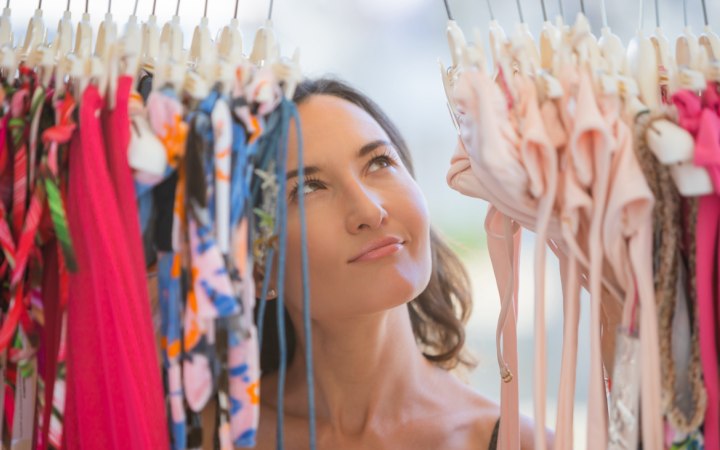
[[35, 34], [690, 60], [61, 47], [201, 44], [642, 65], [131, 43], [100, 60], [665, 59], [38, 55], [527, 56], [611, 47], [8, 58], [456, 44], [150, 41], [107, 34], [710, 41], [230, 40], [64, 38], [671, 144], [230, 52], [6, 33], [550, 37], [265, 47], [501, 57], [202, 59], [170, 67], [172, 36]]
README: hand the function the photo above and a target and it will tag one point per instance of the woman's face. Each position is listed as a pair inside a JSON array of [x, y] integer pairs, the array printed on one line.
[[368, 232]]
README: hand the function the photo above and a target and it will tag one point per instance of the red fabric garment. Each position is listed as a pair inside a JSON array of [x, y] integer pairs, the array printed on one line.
[[111, 402], [691, 114], [116, 128]]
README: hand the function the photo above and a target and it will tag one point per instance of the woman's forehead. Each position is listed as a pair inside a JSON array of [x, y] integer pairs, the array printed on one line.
[[331, 124]]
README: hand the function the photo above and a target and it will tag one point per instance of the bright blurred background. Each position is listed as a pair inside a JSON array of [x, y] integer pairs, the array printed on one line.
[[389, 49]]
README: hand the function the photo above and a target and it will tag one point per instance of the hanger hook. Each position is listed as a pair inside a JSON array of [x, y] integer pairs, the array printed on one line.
[[520, 12], [582, 7], [489, 5], [205, 12], [87, 5], [705, 16], [109, 6], [39, 4], [7, 5], [561, 10], [642, 15], [270, 10], [154, 5], [657, 13], [685, 18], [177, 8], [603, 12], [237, 2], [67, 9], [544, 11], [135, 8], [447, 9]]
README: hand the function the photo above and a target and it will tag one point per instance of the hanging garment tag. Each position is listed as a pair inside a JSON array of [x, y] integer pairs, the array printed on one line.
[[25, 391], [625, 394]]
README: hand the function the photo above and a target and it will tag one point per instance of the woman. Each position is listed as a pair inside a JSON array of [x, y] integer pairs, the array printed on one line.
[[389, 298]]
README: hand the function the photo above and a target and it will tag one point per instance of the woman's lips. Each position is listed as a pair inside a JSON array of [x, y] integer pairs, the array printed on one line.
[[379, 249]]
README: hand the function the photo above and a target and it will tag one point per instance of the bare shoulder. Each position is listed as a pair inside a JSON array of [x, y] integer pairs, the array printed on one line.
[[486, 413]]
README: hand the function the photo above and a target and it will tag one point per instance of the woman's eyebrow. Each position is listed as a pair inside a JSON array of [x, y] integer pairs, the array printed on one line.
[[370, 146], [309, 170], [364, 150]]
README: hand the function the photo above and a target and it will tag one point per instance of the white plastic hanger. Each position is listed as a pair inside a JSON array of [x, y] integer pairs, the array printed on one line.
[[265, 49], [6, 33], [35, 52], [499, 48], [202, 58], [671, 144], [202, 45], [611, 46], [150, 41], [550, 37], [62, 45], [107, 34], [230, 41], [79, 60], [172, 37], [8, 58], [710, 42], [525, 53], [170, 68], [230, 52], [131, 44], [642, 64], [666, 62], [690, 60], [35, 34], [456, 44]]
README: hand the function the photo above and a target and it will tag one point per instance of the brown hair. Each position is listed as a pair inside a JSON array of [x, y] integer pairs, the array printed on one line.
[[438, 315]]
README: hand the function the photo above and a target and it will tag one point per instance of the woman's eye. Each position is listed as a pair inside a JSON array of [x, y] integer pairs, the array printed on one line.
[[380, 162], [311, 186]]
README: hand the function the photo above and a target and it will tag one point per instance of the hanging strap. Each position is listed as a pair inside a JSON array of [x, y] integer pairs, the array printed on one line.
[[504, 248]]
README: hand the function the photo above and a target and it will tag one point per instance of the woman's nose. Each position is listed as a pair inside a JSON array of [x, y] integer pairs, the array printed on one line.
[[364, 209]]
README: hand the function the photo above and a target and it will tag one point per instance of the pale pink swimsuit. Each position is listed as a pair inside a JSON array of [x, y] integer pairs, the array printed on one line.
[[518, 174]]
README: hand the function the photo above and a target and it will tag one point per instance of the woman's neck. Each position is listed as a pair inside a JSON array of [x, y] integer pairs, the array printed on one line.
[[365, 361]]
